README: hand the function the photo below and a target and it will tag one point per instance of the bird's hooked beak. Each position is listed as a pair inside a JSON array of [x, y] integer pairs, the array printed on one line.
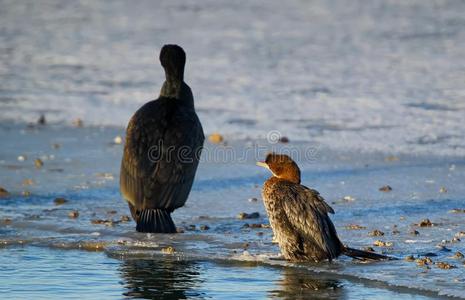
[[262, 164]]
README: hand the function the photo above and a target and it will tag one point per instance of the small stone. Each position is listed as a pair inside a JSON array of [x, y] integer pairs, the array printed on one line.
[[457, 211], [458, 255], [28, 181], [253, 199], [179, 230], [103, 222], [26, 193], [7, 221], [443, 248], [455, 239], [385, 188], [215, 138], [391, 158], [42, 120], [425, 223], [56, 146], [125, 218], [60, 201], [443, 190], [444, 265], [4, 193], [204, 227], [78, 123], [73, 214], [354, 227], [191, 227], [380, 243], [284, 140], [424, 261], [245, 246], [376, 232], [38, 163], [395, 231], [409, 258], [414, 232], [168, 250], [112, 212], [369, 249], [259, 233], [243, 215], [117, 140], [22, 157], [460, 234]]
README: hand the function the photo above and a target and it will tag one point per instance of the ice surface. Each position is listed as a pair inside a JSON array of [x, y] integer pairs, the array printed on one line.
[[89, 164], [384, 75]]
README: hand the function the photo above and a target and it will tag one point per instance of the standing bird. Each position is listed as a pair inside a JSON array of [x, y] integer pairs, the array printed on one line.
[[299, 216], [162, 150]]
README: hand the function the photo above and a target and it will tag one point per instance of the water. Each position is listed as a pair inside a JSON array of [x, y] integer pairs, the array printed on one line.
[[384, 75], [370, 94], [84, 170]]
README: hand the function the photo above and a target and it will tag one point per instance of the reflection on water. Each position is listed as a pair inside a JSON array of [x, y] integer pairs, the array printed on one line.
[[180, 279], [160, 279], [297, 284]]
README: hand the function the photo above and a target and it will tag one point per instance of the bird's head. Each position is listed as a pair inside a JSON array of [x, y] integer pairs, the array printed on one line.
[[173, 60], [282, 166]]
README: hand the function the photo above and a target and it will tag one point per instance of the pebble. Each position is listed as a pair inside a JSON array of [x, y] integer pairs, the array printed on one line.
[[215, 138], [38, 163], [348, 198], [22, 157], [42, 120], [284, 140], [457, 210], [168, 250], [191, 227], [409, 258], [112, 212], [443, 190], [424, 261], [26, 193], [414, 232], [391, 158], [460, 233], [385, 188], [380, 243], [103, 222], [376, 232], [125, 218], [28, 181], [458, 255], [56, 146], [73, 214], [369, 249], [78, 122], [179, 230], [253, 199], [60, 201], [243, 215], [395, 231], [354, 227], [204, 227], [444, 265], [118, 140], [3, 192], [425, 223]]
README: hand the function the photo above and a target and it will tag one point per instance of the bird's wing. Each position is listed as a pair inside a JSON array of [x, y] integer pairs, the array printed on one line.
[[153, 172], [307, 211]]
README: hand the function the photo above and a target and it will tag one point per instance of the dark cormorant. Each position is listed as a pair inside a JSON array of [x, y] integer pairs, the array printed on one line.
[[161, 154], [299, 216]]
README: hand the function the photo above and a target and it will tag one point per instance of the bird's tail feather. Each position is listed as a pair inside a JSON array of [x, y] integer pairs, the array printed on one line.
[[360, 254], [155, 221]]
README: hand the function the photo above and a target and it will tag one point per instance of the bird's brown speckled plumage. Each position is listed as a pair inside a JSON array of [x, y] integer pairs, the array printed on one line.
[[155, 177], [299, 217]]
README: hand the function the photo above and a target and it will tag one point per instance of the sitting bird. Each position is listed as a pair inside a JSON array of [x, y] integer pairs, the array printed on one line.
[[164, 139], [299, 216]]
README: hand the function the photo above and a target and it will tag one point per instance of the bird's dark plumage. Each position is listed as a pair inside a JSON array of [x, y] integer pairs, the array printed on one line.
[[299, 217], [161, 154]]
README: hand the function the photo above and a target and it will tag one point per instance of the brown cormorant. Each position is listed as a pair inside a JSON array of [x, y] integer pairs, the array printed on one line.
[[161, 154], [299, 216]]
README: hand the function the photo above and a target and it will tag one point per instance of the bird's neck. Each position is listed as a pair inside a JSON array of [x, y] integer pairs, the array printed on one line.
[[171, 88]]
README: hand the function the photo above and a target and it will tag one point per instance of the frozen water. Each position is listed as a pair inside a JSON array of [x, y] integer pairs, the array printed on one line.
[[383, 75]]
